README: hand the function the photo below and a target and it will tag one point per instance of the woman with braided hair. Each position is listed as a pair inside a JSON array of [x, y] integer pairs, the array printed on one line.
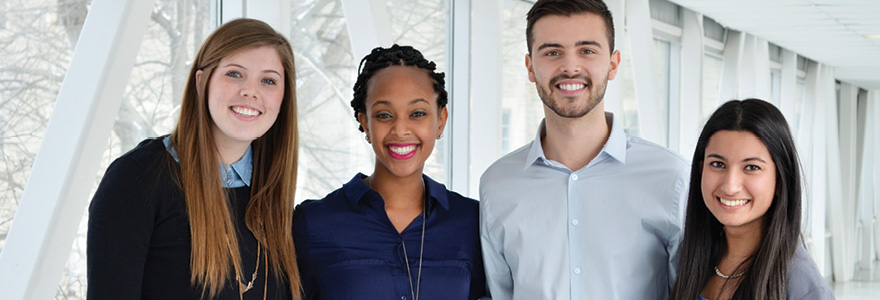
[[396, 234]]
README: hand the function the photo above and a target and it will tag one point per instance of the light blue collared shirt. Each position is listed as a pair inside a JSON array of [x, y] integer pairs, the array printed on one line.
[[236, 175], [610, 230]]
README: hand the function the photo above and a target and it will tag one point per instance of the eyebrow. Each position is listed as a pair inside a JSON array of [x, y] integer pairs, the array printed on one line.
[[747, 159], [579, 43], [242, 67], [411, 102]]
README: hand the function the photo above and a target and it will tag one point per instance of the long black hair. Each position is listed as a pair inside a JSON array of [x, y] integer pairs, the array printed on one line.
[[765, 272], [381, 58]]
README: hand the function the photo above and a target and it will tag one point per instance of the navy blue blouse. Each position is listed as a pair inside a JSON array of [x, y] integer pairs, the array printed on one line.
[[347, 248]]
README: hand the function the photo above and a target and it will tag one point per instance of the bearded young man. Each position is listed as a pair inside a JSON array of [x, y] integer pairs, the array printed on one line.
[[584, 211]]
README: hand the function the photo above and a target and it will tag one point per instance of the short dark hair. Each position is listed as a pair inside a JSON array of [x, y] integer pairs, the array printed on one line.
[[567, 8], [381, 58], [701, 247]]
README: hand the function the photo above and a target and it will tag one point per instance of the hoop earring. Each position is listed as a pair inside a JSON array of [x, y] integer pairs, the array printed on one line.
[[367, 138]]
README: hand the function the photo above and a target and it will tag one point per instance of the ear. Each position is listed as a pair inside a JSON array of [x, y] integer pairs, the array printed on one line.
[[444, 114], [615, 62], [530, 68], [199, 74], [362, 119]]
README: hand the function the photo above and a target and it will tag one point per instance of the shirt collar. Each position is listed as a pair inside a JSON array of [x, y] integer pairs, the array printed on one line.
[[356, 188], [615, 146], [239, 172]]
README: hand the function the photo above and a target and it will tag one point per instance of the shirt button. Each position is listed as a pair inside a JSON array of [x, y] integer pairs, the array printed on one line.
[[574, 176], [574, 222], [577, 270], [402, 297]]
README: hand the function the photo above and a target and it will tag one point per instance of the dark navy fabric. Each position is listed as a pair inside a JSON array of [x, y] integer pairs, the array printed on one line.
[[347, 247]]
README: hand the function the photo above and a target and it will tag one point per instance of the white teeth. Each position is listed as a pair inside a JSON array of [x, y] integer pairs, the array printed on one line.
[[733, 202], [247, 112], [571, 86], [402, 150]]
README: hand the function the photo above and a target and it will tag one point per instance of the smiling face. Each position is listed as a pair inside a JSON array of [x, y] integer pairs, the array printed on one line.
[[739, 179], [571, 63], [244, 95], [402, 119]]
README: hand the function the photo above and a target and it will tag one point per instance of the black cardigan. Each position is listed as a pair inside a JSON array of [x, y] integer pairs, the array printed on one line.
[[139, 236]]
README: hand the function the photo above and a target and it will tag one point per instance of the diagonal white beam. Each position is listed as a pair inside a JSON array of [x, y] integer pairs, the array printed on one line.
[[63, 173], [369, 26]]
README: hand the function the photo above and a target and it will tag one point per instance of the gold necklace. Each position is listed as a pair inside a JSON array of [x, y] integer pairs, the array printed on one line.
[[247, 287], [244, 288]]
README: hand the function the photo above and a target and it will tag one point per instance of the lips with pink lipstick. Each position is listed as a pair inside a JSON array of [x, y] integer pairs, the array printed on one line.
[[402, 150], [244, 112]]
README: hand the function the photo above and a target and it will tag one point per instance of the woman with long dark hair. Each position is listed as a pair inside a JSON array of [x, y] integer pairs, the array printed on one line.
[[396, 234], [742, 241], [205, 213]]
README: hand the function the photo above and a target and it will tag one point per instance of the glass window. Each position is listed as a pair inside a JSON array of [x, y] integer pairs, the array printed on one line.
[[519, 96], [711, 84], [776, 85], [666, 12], [714, 30]]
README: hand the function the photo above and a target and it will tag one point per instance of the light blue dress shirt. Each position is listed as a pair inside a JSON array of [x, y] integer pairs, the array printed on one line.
[[236, 175], [610, 230]]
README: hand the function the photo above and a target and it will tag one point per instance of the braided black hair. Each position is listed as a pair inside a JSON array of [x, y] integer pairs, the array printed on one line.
[[381, 58]]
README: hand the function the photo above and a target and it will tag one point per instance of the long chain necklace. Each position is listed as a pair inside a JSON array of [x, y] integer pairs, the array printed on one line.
[[414, 290], [718, 272], [244, 288]]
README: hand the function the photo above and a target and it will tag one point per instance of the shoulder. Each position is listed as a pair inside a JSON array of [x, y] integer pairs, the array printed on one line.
[[145, 161], [804, 279], [638, 148], [330, 202], [147, 153], [512, 162], [133, 183], [462, 202]]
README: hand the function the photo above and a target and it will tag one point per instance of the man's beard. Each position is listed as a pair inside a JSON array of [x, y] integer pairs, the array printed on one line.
[[595, 95]]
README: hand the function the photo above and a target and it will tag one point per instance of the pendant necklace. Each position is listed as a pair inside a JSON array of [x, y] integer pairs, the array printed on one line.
[[414, 289]]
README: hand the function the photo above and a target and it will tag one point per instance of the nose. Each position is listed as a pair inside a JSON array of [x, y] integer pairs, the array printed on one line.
[[732, 183], [400, 127], [249, 89], [571, 65]]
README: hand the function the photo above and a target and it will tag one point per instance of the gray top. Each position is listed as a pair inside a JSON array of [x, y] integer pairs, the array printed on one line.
[[804, 279]]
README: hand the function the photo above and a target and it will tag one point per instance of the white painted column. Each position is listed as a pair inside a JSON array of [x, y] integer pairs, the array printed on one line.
[[57, 191], [485, 139], [788, 86], [844, 242], [874, 114], [747, 69], [368, 26], [691, 81], [731, 66], [229, 10], [459, 98], [818, 77], [836, 202], [641, 37], [867, 190], [761, 76], [614, 91], [276, 13]]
